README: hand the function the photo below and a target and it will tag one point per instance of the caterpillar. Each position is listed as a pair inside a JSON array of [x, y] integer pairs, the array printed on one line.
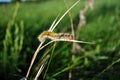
[[54, 36]]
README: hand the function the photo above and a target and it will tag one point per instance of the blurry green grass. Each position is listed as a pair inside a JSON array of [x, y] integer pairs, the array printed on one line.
[[103, 27]]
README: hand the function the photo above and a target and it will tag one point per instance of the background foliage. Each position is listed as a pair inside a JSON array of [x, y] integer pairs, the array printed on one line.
[[21, 23]]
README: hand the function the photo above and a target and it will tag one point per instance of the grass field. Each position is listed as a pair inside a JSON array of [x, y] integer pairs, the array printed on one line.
[[21, 23]]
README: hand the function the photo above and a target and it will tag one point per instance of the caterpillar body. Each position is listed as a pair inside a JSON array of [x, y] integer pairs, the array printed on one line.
[[54, 36]]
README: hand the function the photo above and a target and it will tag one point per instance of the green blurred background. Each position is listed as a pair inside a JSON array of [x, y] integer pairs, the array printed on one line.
[[22, 22]]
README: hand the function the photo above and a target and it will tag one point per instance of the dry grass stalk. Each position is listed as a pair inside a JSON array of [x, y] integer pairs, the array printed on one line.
[[76, 48], [50, 29], [33, 59], [82, 22], [72, 28], [43, 62], [82, 17]]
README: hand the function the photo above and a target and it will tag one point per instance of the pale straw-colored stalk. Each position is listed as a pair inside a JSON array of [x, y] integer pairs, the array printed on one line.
[[50, 29], [33, 59], [64, 15], [43, 63]]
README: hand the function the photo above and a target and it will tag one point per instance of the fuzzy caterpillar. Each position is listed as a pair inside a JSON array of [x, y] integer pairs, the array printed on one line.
[[54, 36]]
